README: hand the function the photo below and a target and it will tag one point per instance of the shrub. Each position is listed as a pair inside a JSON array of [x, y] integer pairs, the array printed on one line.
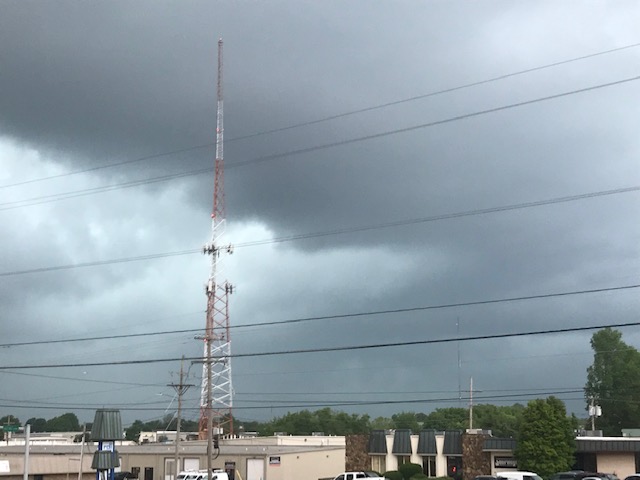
[[419, 476], [408, 470], [393, 475]]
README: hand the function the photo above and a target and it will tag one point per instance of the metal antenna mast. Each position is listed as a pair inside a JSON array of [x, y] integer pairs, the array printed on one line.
[[216, 399]]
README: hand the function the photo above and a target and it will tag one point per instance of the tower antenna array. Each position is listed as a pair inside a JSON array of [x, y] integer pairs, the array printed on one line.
[[216, 399]]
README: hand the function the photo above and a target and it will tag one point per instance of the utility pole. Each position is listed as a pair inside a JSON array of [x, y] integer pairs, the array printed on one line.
[[594, 411], [27, 442], [84, 434], [181, 388], [471, 403], [459, 364]]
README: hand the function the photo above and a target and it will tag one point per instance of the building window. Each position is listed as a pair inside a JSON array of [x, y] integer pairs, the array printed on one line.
[[429, 466], [454, 467], [136, 471], [402, 459], [148, 473], [378, 463]]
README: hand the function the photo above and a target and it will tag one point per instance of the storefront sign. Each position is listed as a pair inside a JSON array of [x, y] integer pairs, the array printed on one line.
[[505, 462]]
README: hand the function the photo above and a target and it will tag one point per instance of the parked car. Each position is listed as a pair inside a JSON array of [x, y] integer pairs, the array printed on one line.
[[124, 475], [608, 476], [491, 477], [517, 475], [635, 476], [570, 475]]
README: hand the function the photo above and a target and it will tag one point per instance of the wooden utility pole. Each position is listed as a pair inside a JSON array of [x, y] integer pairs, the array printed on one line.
[[180, 388]]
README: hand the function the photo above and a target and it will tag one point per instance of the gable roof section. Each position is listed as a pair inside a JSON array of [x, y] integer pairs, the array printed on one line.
[[402, 442], [378, 442], [427, 442], [452, 442], [499, 444]]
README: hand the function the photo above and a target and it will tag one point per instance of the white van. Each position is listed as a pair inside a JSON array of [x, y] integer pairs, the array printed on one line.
[[518, 476], [202, 475]]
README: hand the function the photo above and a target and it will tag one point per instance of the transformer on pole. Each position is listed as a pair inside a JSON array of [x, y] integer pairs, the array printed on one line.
[[216, 399]]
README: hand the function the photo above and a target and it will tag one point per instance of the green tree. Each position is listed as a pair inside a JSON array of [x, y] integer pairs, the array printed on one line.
[[503, 421], [10, 419], [452, 418], [613, 381], [546, 441], [324, 420], [133, 432], [67, 422], [37, 424], [381, 423], [406, 420]]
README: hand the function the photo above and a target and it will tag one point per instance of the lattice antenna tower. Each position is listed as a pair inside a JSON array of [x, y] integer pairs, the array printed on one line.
[[216, 399]]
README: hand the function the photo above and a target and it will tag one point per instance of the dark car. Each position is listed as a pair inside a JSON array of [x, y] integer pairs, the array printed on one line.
[[490, 477], [124, 476], [570, 475]]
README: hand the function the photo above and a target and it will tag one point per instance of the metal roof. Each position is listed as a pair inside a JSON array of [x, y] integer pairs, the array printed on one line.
[[452, 442], [608, 445], [402, 442], [105, 460], [427, 442], [378, 442], [107, 425], [499, 444]]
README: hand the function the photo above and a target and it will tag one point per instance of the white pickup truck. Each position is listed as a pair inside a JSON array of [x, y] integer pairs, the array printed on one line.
[[356, 475]]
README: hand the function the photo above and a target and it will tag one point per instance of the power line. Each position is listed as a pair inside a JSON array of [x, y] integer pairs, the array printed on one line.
[[432, 94], [322, 404], [456, 118], [329, 118], [86, 380], [109, 165], [336, 316], [93, 190], [329, 349], [338, 231], [90, 191]]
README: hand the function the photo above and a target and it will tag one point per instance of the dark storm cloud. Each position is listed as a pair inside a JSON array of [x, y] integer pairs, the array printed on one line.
[[93, 83]]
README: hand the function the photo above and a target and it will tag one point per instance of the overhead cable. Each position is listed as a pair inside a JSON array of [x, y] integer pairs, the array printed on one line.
[[322, 404], [326, 349], [90, 191], [337, 231], [329, 118], [335, 316]]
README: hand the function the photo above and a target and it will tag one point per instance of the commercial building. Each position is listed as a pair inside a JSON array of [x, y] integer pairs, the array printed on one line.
[[475, 452], [260, 458]]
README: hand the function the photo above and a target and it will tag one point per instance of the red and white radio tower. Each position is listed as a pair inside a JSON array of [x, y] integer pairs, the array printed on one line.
[[216, 399]]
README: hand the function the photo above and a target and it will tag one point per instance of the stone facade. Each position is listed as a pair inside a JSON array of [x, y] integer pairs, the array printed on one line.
[[357, 453], [476, 461]]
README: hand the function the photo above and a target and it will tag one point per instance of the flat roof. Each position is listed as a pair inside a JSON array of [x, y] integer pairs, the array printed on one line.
[[186, 448]]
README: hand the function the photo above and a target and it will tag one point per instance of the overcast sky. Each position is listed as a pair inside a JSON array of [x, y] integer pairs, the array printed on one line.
[[84, 85]]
